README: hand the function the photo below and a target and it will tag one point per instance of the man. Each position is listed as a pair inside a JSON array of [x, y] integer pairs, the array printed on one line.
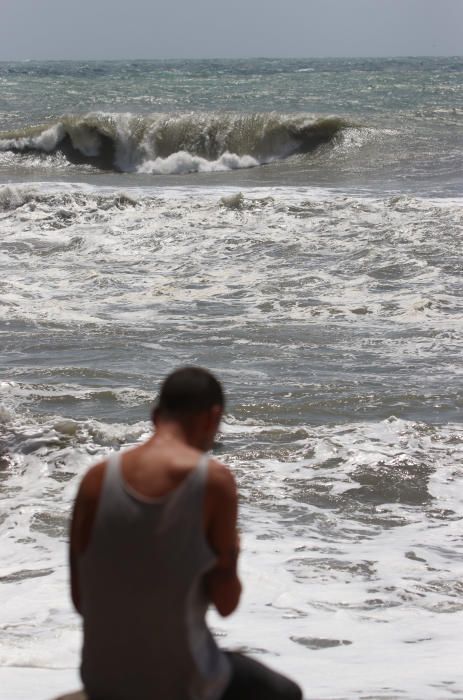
[[153, 542]]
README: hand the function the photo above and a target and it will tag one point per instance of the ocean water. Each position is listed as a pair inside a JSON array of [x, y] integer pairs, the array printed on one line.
[[295, 226]]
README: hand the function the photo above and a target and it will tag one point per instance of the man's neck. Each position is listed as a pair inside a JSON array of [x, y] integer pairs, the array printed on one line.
[[174, 432]]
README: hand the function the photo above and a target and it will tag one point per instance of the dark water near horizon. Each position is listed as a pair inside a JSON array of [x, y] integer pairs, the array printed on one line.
[[294, 225]]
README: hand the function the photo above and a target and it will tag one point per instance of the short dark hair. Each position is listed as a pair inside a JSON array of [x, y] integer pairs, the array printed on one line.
[[188, 391]]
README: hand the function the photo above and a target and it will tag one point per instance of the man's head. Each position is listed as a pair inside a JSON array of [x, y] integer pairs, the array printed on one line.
[[193, 398]]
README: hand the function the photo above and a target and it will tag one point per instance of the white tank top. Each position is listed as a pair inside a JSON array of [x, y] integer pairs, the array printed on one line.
[[143, 603]]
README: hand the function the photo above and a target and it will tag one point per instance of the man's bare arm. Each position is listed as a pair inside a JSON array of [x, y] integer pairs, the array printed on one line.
[[83, 515], [222, 582]]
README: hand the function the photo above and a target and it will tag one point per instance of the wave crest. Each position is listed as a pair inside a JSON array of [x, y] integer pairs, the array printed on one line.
[[174, 143]]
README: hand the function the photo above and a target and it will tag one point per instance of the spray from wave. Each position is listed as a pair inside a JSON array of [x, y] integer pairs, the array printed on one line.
[[174, 143]]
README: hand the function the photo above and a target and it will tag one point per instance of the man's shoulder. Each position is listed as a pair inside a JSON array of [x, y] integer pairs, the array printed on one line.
[[220, 479], [92, 481]]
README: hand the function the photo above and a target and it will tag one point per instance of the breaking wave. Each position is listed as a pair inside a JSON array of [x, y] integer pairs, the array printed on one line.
[[175, 143]]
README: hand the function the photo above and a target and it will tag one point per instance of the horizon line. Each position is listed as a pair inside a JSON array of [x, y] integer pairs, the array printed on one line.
[[235, 58]]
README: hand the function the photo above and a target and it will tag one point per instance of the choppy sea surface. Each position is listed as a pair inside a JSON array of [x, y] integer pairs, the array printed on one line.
[[295, 226]]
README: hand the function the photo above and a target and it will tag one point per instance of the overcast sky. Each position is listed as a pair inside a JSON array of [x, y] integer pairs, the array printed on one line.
[[85, 29]]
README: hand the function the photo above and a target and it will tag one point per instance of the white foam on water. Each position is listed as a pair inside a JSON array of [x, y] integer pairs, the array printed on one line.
[[77, 230], [41, 684], [351, 527], [45, 140], [183, 162]]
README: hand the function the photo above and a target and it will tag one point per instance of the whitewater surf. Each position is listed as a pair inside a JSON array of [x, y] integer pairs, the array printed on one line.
[[174, 143]]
